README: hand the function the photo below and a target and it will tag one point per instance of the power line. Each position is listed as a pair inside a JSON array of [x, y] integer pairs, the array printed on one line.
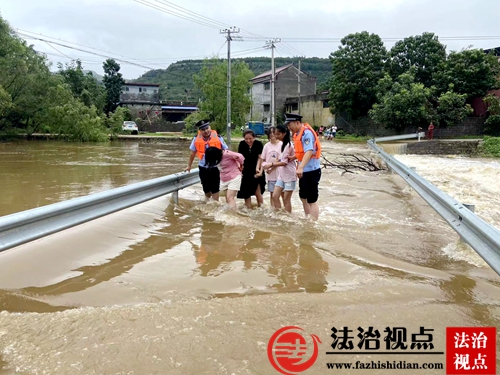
[[27, 33], [220, 24], [81, 50], [130, 60], [178, 14], [55, 49]]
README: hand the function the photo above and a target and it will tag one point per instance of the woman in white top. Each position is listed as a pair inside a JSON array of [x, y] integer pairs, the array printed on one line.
[[270, 156], [287, 168]]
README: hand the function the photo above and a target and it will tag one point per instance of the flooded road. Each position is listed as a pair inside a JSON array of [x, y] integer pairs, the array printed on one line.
[[145, 290]]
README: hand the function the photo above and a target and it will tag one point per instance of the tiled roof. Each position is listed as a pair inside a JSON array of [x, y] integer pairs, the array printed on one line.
[[269, 72]]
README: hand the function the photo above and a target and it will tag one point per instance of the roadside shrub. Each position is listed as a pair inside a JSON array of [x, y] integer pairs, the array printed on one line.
[[77, 122], [492, 126], [115, 121], [491, 147]]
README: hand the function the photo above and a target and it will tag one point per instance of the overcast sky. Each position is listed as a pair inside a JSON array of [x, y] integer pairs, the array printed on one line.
[[129, 30]]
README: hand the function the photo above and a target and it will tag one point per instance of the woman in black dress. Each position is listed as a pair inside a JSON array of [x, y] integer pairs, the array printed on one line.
[[252, 182]]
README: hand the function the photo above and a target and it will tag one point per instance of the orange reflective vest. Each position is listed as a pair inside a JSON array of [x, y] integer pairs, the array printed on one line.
[[201, 144], [297, 142]]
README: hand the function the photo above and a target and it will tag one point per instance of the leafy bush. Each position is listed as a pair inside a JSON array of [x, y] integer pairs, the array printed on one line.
[[115, 120], [452, 108], [76, 122], [492, 125], [491, 146]]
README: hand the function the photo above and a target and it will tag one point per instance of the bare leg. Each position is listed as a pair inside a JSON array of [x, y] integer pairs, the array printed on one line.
[[215, 196], [307, 207], [230, 198], [260, 198], [276, 197], [248, 202], [314, 210], [287, 200]]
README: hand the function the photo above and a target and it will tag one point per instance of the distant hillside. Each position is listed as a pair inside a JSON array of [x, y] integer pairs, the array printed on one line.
[[178, 77]]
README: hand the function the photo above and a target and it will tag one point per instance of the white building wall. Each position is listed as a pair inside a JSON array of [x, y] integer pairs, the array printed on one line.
[[260, 97]]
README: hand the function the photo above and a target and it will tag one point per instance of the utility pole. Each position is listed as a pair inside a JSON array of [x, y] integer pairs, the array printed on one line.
[[270, 44], [298, 105], [228, 32]]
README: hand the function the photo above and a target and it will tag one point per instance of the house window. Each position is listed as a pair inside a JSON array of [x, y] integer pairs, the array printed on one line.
[[140, 89], [295, 106], [267, 86], [145, 89], [326, 104], [154, 92], [267, 107], [126, 88]]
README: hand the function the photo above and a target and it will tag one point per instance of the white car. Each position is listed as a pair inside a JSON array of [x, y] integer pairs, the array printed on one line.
[[130, 126]]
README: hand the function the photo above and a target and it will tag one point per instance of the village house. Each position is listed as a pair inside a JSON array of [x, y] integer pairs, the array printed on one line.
[[142, 99], [289, 81], [314, 109]]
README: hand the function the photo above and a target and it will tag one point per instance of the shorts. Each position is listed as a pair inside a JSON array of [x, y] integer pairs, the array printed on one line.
[[308, 186], [286, 186], [210, 179], [270, 186], [233, 184]]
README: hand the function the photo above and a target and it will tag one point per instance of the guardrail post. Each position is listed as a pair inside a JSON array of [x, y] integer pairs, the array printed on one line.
[[175, 197]]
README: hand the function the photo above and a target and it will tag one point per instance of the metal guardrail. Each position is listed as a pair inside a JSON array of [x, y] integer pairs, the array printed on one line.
[[481, 236], [22, 227], [400, 137]]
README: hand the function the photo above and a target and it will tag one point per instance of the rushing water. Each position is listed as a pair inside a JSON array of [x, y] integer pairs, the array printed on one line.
[[145, 290]]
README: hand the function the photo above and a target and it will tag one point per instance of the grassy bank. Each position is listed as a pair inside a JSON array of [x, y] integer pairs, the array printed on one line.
[[490, 147]]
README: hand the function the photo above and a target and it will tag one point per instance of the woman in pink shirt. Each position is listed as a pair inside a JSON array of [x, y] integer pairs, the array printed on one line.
[[270, 156], [287, 169], [230, 165]]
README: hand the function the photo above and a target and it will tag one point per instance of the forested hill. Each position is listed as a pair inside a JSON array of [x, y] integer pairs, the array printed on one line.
[[178, 77]]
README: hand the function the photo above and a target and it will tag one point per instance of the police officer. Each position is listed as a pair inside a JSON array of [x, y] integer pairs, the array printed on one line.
[[308, 152], [210, 177]]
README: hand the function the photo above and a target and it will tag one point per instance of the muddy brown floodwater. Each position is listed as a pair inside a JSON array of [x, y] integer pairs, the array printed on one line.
[[199, 289]]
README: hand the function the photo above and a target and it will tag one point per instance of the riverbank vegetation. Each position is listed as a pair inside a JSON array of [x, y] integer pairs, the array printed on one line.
[[412, 84], [490, 147], [68, 103]]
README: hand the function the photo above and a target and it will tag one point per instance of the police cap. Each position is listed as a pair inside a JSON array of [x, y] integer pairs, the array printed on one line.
[[203, 124], [292, 117]]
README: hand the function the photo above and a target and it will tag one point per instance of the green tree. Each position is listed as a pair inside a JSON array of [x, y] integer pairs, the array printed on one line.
[[402, 104], [5, 101], [470, 72], [212, 82], [424, 53], [75, 121], [452, 108], [113, 82], [83, 86], [357, 66], [33, 99]]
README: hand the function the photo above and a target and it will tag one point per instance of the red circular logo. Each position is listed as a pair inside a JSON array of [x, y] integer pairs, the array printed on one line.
[[290, 351]]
